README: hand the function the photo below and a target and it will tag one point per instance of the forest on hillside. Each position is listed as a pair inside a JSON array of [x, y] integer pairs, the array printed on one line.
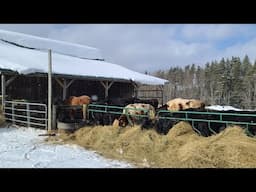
[[230, 81]]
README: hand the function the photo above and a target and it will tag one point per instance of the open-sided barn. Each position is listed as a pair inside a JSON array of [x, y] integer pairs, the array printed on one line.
[[76, 70]]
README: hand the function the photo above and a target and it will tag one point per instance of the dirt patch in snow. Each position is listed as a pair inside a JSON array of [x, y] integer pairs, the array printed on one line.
[[180, 148]]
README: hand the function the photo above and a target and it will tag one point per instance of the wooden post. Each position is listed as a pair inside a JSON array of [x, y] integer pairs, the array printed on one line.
[[64, 95], [135, 93], [54, 117], [49, 90], [85, 107], [64, 86], [3, 90], [106, 90], [162, 93], [28, 115]]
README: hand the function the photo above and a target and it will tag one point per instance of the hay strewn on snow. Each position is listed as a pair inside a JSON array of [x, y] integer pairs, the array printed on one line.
[[180, 148]]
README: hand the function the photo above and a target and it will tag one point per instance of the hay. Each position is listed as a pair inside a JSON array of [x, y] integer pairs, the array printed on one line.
[[180, 148]]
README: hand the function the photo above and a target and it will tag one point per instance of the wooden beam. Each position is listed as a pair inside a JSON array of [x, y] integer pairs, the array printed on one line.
[[107, 86], [103, 84], [64, 93], [60, 83], [135, 89], [64, 86], [70, 82], [10, 80], [110, 84], [162, 92]]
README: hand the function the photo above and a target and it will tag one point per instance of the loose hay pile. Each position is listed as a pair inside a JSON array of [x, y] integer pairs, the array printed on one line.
[[180, 148]]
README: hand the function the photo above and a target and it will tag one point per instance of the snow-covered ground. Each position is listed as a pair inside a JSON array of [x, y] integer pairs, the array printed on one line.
[[23, 148]]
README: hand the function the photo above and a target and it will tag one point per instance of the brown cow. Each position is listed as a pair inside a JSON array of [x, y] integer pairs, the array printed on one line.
[[74, 101]]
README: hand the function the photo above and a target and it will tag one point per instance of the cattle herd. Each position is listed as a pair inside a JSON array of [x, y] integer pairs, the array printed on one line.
[[150, 115]]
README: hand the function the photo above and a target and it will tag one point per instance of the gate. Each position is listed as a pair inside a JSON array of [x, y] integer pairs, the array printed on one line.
[[26, 114]]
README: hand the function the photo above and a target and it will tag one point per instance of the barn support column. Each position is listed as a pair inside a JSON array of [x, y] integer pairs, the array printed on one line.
[[49, 90], [162, 93], [65, 85], [135, 93], [4, 85], [107, 86], [165, 90]]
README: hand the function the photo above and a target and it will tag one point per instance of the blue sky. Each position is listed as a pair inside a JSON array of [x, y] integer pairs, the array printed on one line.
[[150, 47]]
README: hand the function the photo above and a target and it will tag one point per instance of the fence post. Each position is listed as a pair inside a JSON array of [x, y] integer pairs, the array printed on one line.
[[54, 116], [13, 120], [84, 109], [28, 115]]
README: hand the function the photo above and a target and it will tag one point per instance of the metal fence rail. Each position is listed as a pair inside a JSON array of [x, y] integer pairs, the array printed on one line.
[[119, 110], [218, 116], [26, 114]]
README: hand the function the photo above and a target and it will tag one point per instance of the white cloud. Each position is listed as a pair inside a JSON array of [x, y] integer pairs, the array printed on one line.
[[136, 46], [241, 49], [33, 29], [214, 32]]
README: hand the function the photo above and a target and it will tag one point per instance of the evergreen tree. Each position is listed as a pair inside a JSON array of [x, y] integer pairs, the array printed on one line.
[[237, 82], [248, 83], [227, 82]]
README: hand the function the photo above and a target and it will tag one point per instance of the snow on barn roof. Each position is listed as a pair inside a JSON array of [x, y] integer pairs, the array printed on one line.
[[61, 47], [27, 54]]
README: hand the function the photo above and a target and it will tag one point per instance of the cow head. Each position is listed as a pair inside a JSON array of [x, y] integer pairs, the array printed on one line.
[[196, 104], [123, 121]]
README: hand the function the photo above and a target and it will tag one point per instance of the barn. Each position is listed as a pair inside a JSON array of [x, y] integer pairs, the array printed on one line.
[[76, 70]]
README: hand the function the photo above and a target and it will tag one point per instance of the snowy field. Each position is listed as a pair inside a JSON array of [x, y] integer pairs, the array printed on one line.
[[23, 148]]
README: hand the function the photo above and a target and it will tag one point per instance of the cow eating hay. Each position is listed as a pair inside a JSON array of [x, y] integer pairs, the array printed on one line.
[[137, 113]]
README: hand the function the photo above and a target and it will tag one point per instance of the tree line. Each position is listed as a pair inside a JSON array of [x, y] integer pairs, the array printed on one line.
[[225, 82]]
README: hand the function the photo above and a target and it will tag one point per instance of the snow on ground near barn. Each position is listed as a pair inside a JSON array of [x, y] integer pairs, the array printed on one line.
[[23, 148]]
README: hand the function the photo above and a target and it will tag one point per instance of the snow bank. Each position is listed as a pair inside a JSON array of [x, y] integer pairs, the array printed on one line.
[[23, 148]]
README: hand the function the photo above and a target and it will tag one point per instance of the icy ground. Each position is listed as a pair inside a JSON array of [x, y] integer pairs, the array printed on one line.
[[23, 148]]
